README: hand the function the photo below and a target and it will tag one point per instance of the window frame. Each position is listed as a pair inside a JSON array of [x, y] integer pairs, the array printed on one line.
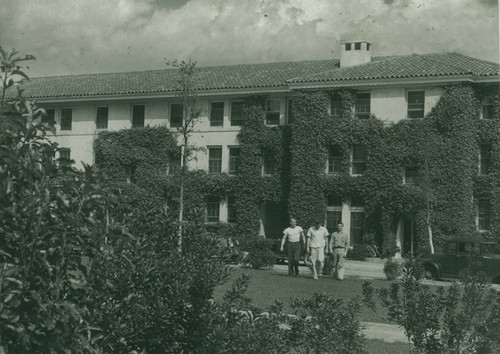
[[414, 180], [234, 160], [97, 117], [274, 112], [211, 200], [240, 121], [63, 160], [66, 124], [216, 123], [178, 124], [358, 161], [487, 104], [333, 208], [143, 118], [483, 159], [330, 169], [487, 218], [421, 106], [212, 160], [353, 210], [270, 159], [44, 118], [362, 114], [334, 100]]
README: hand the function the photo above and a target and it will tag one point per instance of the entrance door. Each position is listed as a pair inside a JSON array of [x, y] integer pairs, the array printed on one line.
[[274, 220], [409, 244]]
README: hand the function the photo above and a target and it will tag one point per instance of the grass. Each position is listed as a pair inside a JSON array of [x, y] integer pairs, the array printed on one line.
[[375, 346], [267, 286]]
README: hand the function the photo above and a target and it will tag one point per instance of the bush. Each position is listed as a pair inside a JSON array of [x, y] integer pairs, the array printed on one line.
[[259, 254], [358, 252], [462, 319], [392, 269]]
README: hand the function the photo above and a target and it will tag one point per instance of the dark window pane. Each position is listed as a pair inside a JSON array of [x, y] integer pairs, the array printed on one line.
[[268, 161], [336, 106], [334, 159], [236, 113], [357, 46], [231, 209], [216, 114], [359, 156], [138, 116], [234, 160], [213, 209], [416, 101], [357, 226], [412, 175], [176, 114], [348, 46], [484, 214], [333, 218], [362, 105], [65, 157], [485, 159], [102, 118], [273, 112], [215, 160], [66, 119]]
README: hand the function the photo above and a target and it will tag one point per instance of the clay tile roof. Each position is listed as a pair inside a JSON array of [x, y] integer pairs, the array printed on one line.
[[255, 76]]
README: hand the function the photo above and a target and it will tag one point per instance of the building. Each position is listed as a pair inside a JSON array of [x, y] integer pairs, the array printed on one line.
[[392, 88]]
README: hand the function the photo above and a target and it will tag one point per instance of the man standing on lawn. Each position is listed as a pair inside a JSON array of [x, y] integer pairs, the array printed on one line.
[[294, 234], [339, 244], [317, 237]]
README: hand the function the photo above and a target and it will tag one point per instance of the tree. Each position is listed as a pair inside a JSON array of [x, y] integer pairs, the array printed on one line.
[[10, 68], [187, 92]]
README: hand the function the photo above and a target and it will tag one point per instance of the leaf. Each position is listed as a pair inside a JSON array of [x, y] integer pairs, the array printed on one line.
[[20, 73]]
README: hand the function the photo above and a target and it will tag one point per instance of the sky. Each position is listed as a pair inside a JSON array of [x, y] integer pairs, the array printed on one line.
[[96, 36]]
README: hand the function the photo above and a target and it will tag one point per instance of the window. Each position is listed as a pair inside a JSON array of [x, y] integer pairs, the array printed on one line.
[[416, 100], [214, 160], [66, 118], [101, 120], [488, 104], [451, 247], [176, 114], [174, 164], [268, 162], [138, 116], [362, 105], [484, 159], [348, 46], [357, 46], [216, 114], [333, 212], [359, 155], [65, 157], [290, 118], [236, 113], [231, 210], [49, 116], [334, 159], [411, 175], [234, 160], [213, 206], [484, 214], [336, 106], [357, 220], [273, 112]]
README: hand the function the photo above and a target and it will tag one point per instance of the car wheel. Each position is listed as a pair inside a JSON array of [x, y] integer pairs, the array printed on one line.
[[430, 273]]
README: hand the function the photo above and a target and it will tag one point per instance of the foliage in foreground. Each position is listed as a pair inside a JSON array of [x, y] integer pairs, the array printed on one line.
[[84, 269], [462, 319]]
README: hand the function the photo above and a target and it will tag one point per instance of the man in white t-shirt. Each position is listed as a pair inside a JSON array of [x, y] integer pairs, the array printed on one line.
[[294, 234], [317, 239]]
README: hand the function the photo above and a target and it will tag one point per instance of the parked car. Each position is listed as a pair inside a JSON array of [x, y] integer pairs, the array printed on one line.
[[459, 255]]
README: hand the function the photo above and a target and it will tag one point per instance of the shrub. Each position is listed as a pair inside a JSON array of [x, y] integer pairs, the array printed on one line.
[[392, 269], [358, 252], [462, 319], [259, 254]]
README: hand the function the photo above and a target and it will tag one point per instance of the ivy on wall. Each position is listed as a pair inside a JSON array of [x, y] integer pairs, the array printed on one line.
[[444, 146]]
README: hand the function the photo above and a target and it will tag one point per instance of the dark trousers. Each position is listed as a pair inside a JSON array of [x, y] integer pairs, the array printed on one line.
[[293, 258]]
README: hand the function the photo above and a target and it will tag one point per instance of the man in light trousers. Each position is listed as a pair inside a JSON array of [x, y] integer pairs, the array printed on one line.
[[317, 237], [339, 244]]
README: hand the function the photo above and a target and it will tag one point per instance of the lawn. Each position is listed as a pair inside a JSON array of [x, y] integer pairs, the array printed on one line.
[[266, 286]]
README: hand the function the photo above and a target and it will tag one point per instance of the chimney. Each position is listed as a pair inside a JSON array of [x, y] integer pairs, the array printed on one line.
[[354, 52]]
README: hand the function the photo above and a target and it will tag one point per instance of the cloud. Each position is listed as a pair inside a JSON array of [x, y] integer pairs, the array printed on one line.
[[124, 35]]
